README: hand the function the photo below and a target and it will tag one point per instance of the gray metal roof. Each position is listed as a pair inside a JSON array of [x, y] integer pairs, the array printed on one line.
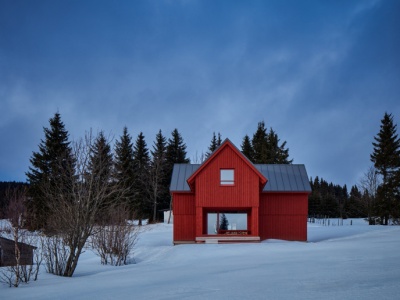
[[285, 178], [281, 178], [180, 175]]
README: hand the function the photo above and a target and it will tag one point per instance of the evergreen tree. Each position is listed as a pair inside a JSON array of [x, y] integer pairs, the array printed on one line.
[[355, 207], [247, 148], [159, 188], [141, 168], [223, 225], [176, 149], [215, 143], [101, 169], [276, 154], [266, 148], [386, 153], [175, 154], [219, 140], [53, 160], [101, 160], [386, 159], [123, 168], [260, 144]]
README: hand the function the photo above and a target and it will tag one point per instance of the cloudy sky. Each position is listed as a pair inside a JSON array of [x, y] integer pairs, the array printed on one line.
[[320, 73]]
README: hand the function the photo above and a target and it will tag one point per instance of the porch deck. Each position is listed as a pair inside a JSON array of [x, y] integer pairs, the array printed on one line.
[[217, 239]]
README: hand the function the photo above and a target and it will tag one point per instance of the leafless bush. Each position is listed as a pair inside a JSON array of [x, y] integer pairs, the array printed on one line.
[[79, 198], [114, 241], [55, 254]]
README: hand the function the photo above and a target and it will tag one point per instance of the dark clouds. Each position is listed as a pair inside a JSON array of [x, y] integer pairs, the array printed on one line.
[[322, 74]]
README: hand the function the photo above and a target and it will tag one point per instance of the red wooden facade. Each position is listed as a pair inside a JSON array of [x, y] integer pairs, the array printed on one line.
[[203, 196]]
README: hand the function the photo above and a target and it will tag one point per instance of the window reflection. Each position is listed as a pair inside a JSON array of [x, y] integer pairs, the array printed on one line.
[[226, 222]]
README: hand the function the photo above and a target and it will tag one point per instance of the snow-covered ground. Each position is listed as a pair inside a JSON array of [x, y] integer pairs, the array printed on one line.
[[338, 262]]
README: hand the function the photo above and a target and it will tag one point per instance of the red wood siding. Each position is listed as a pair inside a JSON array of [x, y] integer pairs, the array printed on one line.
[[244, 192], [184, 217], [283, 216]]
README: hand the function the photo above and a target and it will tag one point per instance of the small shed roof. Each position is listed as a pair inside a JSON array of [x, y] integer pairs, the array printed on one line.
[[281, 178]]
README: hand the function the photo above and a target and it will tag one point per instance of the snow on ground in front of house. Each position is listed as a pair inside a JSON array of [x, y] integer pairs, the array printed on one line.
[[338, 262]]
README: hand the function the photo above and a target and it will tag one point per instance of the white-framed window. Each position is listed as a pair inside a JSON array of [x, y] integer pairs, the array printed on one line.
[[227, 176]]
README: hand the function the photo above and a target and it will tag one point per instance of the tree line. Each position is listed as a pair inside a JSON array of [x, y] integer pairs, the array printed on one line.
[[146, 173], [377, 195], [329, 200]]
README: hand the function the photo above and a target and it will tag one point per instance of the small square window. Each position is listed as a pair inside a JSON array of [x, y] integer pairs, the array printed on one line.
[[227, 177]]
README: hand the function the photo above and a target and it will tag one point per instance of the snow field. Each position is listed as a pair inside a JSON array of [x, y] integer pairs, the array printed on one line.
[[338, 262]]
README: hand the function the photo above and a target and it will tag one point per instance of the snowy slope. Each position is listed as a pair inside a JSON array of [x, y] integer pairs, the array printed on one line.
[[338, 262]]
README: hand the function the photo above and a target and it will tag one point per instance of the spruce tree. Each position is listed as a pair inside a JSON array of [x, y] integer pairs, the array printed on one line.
[[266, 148], [159, 186], [176, 149], [101, 160], [276, 154], [53, 160], [219, 140], [123, 168], [141, 168], [175, 154], [355, 207], [247, 148], [215, 143], [386, 159], [260, 144], [386, 153], [223, 225], [101, 171]]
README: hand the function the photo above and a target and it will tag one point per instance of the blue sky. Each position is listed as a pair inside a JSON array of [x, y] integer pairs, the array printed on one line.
[[320, 73]]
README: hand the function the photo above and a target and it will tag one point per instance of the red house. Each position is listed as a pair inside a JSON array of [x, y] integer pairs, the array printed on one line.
[[229, 199]]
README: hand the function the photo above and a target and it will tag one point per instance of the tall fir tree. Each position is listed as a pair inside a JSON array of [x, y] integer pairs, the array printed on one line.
[[386, 153], [219, 139], [159, 186], [101, 170], [53, 159], [175, 154], [176, 149], [123, 168], [141, 168], [215, 143], [247, 148], [355, 207], [266, 148], [260, 144], [223, 225], [101, 160], [386, 159], [276, 154]]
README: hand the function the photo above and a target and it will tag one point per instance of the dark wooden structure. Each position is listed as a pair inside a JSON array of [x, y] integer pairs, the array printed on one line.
[[7, 253], [256, 202]]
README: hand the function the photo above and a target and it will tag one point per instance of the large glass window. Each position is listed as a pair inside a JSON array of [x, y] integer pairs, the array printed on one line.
[[227, 223], [227, 177]]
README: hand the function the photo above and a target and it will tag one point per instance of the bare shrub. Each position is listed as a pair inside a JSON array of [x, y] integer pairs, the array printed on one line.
[[80, 196], [114, 241], [55, 254]]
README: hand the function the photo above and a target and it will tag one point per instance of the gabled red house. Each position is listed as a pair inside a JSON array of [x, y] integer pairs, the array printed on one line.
[[229, 199]]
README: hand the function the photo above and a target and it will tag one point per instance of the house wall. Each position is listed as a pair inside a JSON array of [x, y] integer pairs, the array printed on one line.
[[211, 194], [283, 216], [184, 217], [7, 250]]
